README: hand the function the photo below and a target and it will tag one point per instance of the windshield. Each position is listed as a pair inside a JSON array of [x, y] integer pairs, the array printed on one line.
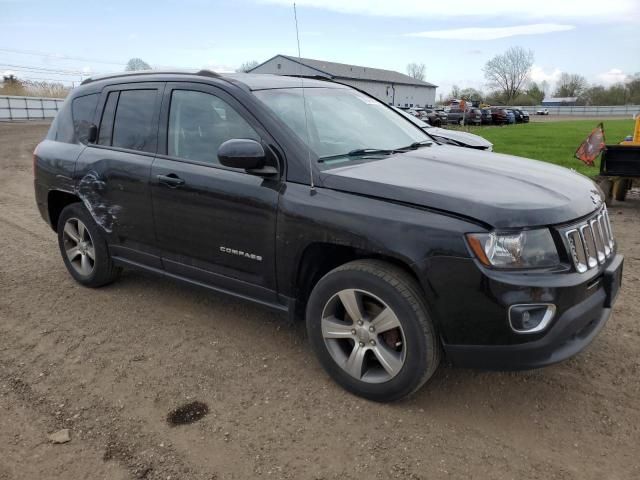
[[340, 121]]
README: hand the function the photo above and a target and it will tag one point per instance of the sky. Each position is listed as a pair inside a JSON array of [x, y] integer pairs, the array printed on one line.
[[68, 40]]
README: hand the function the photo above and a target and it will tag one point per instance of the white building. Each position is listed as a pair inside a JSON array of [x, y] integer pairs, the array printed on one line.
[[388, 86]]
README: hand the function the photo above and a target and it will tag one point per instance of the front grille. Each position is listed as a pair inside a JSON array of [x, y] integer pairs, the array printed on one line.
[[590, 242]]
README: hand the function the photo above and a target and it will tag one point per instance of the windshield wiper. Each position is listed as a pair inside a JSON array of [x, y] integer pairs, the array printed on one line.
[[416, 145], [359, 152], [365, 151]]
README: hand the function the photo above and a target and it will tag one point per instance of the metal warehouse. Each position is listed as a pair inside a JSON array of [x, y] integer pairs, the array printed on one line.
[[388, 86]]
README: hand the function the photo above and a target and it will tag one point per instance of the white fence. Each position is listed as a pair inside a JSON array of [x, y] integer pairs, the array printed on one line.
[[28, 108], [593, 111]]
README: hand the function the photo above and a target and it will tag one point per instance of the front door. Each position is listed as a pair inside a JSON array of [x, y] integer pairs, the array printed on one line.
[[213, 224]]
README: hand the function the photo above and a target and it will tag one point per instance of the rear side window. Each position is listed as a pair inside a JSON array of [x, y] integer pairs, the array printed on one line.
[[83, 110], [134, 123]]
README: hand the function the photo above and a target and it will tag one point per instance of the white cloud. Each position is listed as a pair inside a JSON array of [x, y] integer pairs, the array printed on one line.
[[492, 33], [538, 75], [219, 68], [595, 9], [615, 75]]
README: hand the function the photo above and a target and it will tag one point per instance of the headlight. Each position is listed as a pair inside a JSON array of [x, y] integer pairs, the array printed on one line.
[[526, 249]]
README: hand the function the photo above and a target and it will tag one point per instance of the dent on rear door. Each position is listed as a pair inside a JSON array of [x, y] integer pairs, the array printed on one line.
[[90, 190], [113, 185]]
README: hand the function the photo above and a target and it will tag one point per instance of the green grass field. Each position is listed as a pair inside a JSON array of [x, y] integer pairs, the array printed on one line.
[[554, 142]]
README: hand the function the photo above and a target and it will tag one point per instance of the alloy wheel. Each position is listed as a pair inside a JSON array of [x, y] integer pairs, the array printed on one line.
[[363, 336], [78, 246]]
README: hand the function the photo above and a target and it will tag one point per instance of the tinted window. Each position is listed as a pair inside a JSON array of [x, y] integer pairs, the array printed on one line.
[[83, 110], [106, 123], [134, 125], [62, 127], [199, 123]]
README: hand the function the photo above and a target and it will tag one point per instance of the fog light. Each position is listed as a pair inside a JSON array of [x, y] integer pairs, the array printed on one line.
[[531, 318]]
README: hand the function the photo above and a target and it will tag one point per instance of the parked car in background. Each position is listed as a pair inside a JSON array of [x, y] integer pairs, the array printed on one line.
[[473, 116], [485, 117], [435, 118], [518, 115], [511, 117], [450, 137], [542, 111], [499, 116], [455, 116], [525, 115]]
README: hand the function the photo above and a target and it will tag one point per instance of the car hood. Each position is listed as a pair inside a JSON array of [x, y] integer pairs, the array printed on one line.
[[467, 139], [499, 190]]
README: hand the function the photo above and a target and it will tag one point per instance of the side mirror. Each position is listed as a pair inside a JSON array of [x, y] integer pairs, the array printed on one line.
[[92, 133], [242, 153]]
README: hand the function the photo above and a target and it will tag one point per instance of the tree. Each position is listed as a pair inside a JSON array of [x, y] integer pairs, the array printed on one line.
[[570, 85], [246, 66], [509, 71], [136, 64], [12, 85], [417, 71], [535, 93], [633, 86], [455, 92], [471, 94]]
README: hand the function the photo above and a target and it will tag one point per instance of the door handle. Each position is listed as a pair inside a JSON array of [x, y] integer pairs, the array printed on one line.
[[172, 180]]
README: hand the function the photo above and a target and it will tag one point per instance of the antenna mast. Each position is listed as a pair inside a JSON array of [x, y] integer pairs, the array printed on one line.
[[304, 99]]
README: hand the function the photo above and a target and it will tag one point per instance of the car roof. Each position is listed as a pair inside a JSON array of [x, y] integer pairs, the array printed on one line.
[[251, 81]]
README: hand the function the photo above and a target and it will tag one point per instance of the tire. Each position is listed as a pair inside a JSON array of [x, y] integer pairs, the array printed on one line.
[[78, 239], [606, 185], [620, 188], [407, 337]]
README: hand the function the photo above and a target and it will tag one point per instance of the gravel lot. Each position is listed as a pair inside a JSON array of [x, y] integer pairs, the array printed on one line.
[[110, 364]]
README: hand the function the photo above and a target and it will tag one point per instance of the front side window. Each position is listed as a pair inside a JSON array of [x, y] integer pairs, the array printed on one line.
[[199, 123], [134, 126], [339, 121]]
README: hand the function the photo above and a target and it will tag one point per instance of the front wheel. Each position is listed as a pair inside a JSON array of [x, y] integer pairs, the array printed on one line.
[[369, 325]]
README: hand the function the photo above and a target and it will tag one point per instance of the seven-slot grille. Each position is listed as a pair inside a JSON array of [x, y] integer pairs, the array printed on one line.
[[590, 242]]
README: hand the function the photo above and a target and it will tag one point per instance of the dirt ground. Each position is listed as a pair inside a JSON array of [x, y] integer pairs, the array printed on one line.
[[110, 364]]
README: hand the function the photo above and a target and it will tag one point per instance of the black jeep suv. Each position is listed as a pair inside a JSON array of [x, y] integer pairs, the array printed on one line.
[[318, 200]]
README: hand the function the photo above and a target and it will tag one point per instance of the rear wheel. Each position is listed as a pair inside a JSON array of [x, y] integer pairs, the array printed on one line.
[[369, 326], [84, 248]]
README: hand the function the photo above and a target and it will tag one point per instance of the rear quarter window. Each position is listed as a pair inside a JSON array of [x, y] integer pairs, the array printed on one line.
[[61, 129], [83, 111]]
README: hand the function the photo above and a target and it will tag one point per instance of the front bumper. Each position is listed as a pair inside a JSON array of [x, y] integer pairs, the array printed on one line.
[[574, 329]]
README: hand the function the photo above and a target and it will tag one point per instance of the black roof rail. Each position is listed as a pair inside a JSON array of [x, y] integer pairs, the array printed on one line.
[[201, 73]]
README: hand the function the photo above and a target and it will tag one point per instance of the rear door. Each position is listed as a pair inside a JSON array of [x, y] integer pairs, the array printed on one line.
[[112, 175], [213, 224]]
